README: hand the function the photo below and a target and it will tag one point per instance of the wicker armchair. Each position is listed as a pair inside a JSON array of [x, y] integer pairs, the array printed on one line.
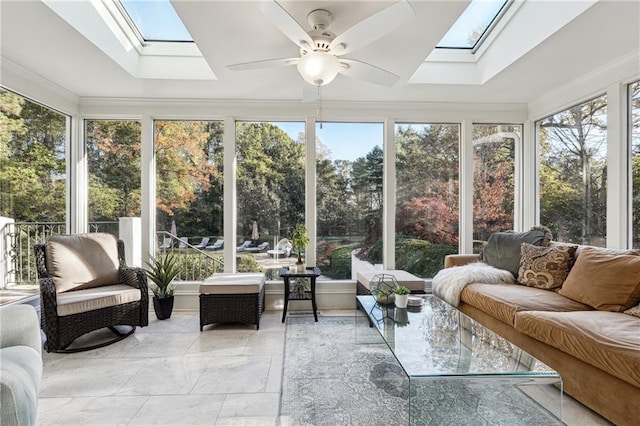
[[85, 285]]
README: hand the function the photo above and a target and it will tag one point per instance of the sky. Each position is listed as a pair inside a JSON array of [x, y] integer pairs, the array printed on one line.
[[347, 141]]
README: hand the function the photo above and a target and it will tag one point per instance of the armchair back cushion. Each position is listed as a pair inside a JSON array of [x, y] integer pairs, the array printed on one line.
[[78, 262]]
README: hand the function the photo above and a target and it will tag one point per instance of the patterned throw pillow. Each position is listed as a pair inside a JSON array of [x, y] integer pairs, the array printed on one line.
[[635, 311], [545, 267]]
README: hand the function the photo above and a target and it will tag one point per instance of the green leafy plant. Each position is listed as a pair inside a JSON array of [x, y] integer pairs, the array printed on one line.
[[400, 290], [299, 240], [162, 270]]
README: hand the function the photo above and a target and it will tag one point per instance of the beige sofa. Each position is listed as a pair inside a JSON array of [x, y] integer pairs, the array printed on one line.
[[596, 351]]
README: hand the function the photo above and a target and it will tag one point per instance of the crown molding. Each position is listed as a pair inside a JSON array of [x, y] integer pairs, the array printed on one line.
[[30, 85]]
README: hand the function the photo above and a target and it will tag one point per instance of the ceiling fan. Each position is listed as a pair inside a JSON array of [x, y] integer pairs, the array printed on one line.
[[321, 51]]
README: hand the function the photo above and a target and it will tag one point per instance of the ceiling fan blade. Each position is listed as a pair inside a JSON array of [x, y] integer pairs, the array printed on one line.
[[286, 23], [268, 63], [367, 72], [372, 28]]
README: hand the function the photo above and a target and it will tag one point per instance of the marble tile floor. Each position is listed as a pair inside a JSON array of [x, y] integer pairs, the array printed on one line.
[[170, 373]]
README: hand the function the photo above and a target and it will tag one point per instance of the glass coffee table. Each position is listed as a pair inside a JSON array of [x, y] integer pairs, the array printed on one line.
[[460, 372]]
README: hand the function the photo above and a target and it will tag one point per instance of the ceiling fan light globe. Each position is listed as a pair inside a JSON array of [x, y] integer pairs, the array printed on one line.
[[318, 68]]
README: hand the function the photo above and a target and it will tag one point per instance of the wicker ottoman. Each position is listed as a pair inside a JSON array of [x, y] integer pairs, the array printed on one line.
[[232, 298]]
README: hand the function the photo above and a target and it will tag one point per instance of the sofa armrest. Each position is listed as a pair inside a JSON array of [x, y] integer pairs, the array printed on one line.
[[20, 327], [460, 259]]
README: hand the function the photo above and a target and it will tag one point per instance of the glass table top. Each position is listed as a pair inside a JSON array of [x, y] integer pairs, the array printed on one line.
[[438, 340]]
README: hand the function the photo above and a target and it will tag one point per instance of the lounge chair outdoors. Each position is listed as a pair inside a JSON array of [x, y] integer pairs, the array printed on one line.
[[245, 245], [259, 248], [215, 246], [282, 249], [166, 243], [184, 242], [202, 244]]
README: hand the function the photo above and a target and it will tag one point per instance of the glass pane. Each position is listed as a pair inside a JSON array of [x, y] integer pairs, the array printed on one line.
[[472, 24], [189, 195], [426, 196], [270, 193], [156, 20], [32, 182], [493, 179], [573, 191], [634, 94], [113, 156], [349, 197]]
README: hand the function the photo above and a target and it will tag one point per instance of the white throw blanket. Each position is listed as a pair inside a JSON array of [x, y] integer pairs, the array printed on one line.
[[449, 282]]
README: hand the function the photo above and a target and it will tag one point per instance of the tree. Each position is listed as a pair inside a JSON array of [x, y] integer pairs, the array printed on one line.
[[573, 144], [32, 160], [113, 153]]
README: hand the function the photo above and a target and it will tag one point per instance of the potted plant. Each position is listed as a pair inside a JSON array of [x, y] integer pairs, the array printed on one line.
[[162, 270], [384, 296], [299, 241], [402, 296]]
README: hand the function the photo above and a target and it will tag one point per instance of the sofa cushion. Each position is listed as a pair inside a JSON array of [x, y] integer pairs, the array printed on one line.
[[82, 261], [604, 279], [503, 301], [607, 340], [20, 375], [502, 250], [233, 283], [77, 301], [545, 267]]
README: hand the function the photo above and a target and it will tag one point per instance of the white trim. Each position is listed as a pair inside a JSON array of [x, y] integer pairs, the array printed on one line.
[[618, 202], [310, 184], [389, 195], [465, 185], [529, 182], [148, 187], [230, 197]]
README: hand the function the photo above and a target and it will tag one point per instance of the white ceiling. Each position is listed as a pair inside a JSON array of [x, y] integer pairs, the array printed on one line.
[[34, 37]]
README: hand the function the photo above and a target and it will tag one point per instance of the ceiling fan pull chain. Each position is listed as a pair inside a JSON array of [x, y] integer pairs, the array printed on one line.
[[319, 110]]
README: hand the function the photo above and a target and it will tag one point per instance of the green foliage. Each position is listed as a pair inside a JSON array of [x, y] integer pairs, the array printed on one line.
[[162, 270], [247, 263], [299, 239], [400, 290], [340, 263]]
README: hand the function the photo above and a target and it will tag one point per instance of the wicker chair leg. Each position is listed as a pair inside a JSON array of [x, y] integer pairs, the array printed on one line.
[[119, 336]]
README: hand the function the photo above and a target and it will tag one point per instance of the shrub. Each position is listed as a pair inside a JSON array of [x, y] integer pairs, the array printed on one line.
[[340, 264]]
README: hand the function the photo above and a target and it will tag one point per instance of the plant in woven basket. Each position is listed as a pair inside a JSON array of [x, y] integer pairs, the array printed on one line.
[[162, 270]]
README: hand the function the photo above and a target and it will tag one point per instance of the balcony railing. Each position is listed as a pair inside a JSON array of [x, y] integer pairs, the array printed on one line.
[[18, 239]]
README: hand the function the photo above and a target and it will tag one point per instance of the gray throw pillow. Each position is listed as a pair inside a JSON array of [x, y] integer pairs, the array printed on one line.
[[503, 248]]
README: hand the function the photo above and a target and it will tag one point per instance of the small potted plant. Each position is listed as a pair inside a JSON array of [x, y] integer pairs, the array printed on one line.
[[162, 270], [384, 296], [299, 241], [402, 296]]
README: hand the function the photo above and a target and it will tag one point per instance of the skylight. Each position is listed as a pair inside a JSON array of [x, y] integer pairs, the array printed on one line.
[[473, 24], [156, 20]]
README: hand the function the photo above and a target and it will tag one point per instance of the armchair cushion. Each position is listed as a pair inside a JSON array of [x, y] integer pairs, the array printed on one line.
[[78, 262], [74, 302]]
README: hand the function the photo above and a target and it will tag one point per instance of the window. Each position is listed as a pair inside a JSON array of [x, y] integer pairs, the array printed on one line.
[[349, 196], [189, 197], [270, 193], [573, 152], [493, 178], [426, 196], [473, 25], [113, 157], [634, 106], [32, 182], [155, 20]]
